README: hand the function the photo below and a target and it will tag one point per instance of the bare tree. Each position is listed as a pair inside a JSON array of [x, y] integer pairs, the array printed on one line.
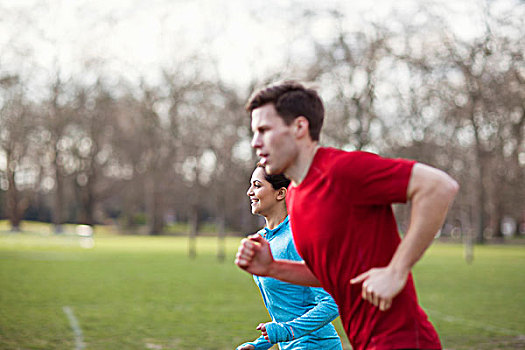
[[465, 97], [489, 104], [349, 68], [144, 148], [55, 118], [15, 142], [97, 174]]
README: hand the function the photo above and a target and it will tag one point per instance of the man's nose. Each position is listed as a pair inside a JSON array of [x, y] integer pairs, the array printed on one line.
[[256, 141]]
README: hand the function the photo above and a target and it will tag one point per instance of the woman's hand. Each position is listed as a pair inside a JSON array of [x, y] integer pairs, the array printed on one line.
[[262, 327]]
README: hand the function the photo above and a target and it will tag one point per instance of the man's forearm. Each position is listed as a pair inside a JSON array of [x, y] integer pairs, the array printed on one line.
[[294, 272], [431, 198]]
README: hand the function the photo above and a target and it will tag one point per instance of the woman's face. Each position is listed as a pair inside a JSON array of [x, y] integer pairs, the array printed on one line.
[[262, 195]]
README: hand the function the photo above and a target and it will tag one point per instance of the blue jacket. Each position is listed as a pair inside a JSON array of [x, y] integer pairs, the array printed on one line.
[[300, 315]]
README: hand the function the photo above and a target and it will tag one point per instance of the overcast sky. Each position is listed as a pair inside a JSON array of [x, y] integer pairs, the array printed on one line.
[[136, 37]]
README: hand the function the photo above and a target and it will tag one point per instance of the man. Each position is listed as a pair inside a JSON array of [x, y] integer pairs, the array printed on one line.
[[343, 226]]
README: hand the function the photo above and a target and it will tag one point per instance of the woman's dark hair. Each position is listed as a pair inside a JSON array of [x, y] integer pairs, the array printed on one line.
[[277, 181]]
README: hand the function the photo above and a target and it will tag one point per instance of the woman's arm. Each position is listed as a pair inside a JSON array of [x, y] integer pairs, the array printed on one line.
[[324, 312], [258, 344]]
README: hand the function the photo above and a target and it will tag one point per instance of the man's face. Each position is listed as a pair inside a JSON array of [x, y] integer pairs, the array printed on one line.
[[273, 140]]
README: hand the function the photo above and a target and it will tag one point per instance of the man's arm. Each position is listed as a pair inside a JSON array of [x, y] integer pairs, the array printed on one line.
[[431, 192], [254, 256]]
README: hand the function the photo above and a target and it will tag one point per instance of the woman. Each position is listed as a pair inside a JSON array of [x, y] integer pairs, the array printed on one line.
[[300, 315]]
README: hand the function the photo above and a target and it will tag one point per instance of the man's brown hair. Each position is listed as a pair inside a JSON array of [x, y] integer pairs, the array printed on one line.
[[291, 100]]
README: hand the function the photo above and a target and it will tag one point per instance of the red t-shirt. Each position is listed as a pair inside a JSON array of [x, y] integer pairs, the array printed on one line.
[[343, 225]]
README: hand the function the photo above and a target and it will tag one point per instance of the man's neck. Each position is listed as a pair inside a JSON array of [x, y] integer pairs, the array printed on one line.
[[298, 171]]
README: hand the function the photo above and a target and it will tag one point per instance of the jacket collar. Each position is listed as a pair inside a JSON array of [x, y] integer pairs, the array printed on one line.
[[267, 233]]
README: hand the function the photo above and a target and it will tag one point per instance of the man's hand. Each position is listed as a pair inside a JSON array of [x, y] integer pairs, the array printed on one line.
[[381, 285], [262, 327], [431, 192], [254, 255], [246, 347]]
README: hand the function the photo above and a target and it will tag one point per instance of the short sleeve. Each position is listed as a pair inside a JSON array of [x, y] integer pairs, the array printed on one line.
[[368, 179]]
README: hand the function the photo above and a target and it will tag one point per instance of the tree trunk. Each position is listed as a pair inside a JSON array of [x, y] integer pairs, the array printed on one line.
[[13, 201], [221, 241], [16, 203], [481, 191], [480, 207], [497, 218], [194, 229], [466, 232], [58, 210], [156, 208]]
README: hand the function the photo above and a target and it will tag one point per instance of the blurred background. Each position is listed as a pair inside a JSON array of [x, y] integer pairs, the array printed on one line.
[[130, 113]]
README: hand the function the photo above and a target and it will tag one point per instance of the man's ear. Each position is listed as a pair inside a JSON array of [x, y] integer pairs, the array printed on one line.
[[281, 194], [301, 126]]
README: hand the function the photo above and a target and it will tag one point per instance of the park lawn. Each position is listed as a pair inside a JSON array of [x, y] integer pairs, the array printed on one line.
[[126, 292], [478, 305], [142, 292]]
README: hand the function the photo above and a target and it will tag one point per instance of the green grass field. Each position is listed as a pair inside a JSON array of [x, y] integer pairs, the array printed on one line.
[[140, 292]]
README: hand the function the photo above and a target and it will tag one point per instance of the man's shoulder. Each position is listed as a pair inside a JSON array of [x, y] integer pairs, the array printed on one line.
[[331, 152], [333, 157]]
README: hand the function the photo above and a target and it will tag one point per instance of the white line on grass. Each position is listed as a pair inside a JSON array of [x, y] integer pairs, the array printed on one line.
[[474, 324], [79, 342]]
